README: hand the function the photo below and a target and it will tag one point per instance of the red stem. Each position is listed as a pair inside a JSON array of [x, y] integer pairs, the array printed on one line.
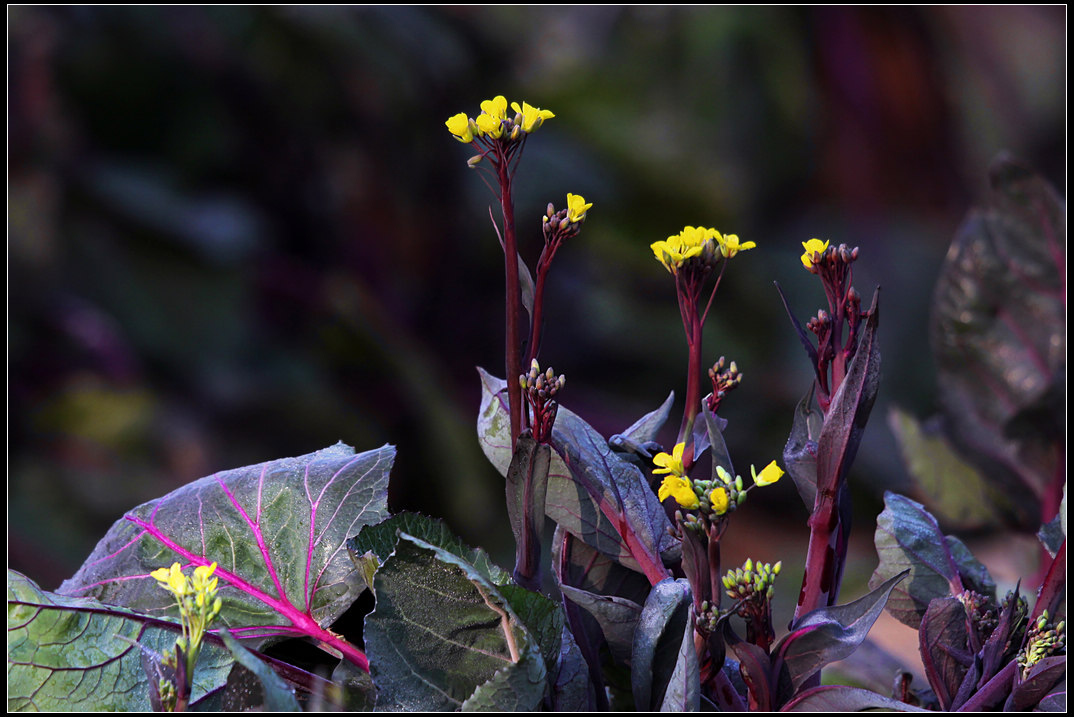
[[514, 300]]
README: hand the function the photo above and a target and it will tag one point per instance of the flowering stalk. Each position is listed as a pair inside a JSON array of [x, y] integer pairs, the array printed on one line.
[[500, 139], [690, 256]]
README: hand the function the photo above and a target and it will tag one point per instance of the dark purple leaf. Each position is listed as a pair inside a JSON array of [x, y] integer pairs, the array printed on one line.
[[593, 517], [944, 645], [617, 617], [527, 487], [1006, 636], [837, 698], [832, 633], [807, 344], [657, 642], [639, 438], [1042, 679], [715, 426], [844, 423], [800, 453], [756, 669], [908, 537], [277, 532], [998, 333]]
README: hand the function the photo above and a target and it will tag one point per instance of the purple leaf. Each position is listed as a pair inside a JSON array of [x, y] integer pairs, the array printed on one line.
[[944, 648], [837, 698], [998, 332], [800, 453], [276, 531], [527, 489], [1042, 679]]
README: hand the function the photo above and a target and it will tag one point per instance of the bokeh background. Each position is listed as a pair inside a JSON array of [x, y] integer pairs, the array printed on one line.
[[239, 233]]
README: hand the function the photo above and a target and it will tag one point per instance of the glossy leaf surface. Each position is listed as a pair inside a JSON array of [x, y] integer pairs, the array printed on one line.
[[837, 698], [68, 653], [276, 531], [658, 641], [441, 630]]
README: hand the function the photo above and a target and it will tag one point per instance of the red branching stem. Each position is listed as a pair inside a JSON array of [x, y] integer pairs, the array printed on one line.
[[821, 565]]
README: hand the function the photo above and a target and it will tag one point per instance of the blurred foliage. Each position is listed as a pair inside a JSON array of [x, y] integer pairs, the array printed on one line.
[[242, 233]]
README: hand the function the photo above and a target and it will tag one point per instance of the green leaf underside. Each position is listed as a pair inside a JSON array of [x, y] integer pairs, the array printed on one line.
[[276, 530], [382, 538], [441, 630], [832, 633], [909, 538], [69, 654], [957, 492]]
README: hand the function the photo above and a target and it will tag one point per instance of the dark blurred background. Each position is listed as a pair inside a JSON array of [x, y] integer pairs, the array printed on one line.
[[238, 233]]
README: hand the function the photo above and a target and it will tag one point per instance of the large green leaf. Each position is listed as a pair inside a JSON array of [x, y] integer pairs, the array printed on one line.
[[277, 532], [78, 654], [999, 337], [909, 538], [956, 491], [441, 630]]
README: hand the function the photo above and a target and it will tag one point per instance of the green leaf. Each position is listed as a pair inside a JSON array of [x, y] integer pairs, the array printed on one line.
[[277, 695], [441, 629], [998, 332], [957, 492], [837, 698], [517, 688], [800, 453], [76, 654], [832, 633], [276, 531], [657, 641], [909, 538], [381, 539], [542, 617]]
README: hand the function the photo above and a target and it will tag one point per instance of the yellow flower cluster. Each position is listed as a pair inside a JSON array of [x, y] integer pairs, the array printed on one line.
[[493, 121], [718, 496], [691, 242], [198, 603]]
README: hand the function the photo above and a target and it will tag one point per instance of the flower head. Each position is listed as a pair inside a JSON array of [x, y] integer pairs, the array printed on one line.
[[730, 245], [676, 250], [531, 117], [768, 475], [671, 464], [459, 125], [576, 207], [813, 248], [720, 500], [679, 488], [172, 580]]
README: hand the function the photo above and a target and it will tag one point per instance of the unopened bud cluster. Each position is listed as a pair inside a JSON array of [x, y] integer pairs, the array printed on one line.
[[1044, 639], [723, 381], [982, 612], [540, 389], [753, 581]]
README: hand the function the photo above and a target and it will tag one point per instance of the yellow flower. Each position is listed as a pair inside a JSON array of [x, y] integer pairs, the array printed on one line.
[[730, 245], [496, 107], [670, 464], [675, 250], [202, 584], [459, 125], [532, 117], [576, 207], [720, 501], [768, 475], [679, 488], [172, 580], [489, 124], [812, 247]]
